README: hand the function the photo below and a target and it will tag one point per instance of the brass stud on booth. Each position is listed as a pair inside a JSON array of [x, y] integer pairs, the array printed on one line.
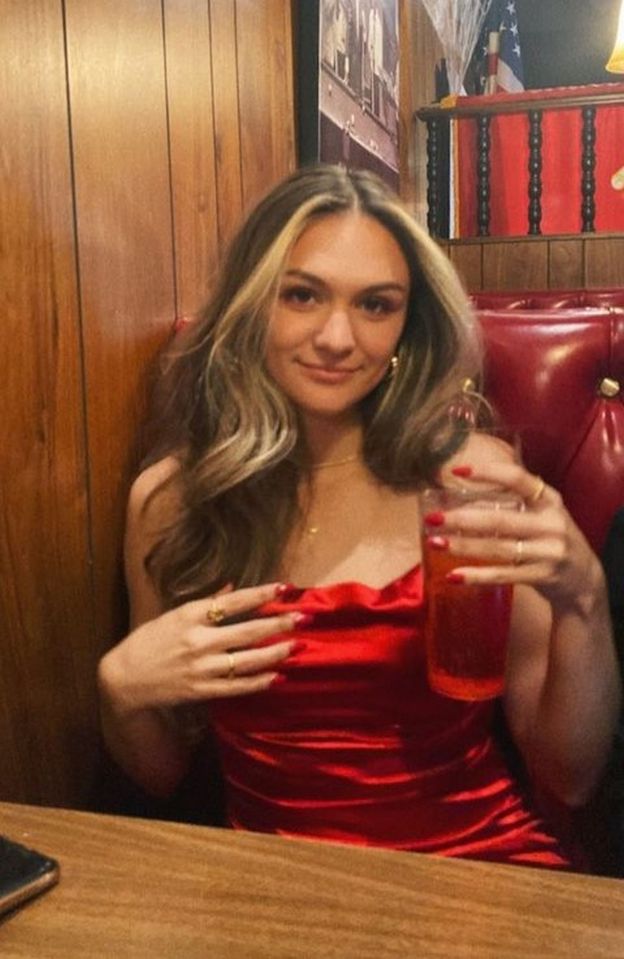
[[609, 387]]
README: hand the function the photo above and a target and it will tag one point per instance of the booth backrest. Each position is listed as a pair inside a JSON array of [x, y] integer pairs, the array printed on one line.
[[550, 299], [554, 372]]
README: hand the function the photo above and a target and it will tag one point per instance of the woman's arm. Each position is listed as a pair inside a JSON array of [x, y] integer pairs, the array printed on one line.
[[562, 699], [562, 695], [177, 657], [146, 743]]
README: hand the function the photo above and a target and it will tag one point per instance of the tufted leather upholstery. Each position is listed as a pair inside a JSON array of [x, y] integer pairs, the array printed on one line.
[[550, 299], [554, 371]]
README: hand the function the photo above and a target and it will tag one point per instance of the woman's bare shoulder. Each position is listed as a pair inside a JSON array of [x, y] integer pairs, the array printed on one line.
[[153, 505], [154, 496], [154, 476]]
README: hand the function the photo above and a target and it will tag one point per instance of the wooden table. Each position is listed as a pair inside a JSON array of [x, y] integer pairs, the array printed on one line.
[[138, 888]]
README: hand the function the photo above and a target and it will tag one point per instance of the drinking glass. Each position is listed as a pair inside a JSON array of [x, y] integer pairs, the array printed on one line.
[[466, 626]]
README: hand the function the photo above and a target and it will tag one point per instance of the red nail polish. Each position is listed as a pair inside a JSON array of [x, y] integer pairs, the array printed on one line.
[[302, 619], [283, 589], [277, 680], [298, 647], [434, 519], [464, 471], [437, 542], [455, 578]]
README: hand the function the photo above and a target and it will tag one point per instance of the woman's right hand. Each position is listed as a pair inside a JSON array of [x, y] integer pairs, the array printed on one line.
[[192, 653]]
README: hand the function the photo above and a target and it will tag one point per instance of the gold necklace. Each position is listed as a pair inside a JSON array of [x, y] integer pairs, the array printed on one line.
[[327, 463], [313, 530]]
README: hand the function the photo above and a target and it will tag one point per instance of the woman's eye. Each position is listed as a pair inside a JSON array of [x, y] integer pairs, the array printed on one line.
[[377, 305], [298, 296]]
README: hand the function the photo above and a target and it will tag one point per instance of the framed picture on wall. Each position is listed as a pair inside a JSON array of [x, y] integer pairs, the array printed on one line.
[[348, 80]]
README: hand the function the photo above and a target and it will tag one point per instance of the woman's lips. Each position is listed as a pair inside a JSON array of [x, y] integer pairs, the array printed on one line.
[[326, 374]]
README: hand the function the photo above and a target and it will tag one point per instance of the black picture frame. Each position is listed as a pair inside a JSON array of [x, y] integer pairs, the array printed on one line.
[[362, 131], [306, 20]]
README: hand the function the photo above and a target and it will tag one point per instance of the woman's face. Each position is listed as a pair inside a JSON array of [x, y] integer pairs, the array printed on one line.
[[339, 314]]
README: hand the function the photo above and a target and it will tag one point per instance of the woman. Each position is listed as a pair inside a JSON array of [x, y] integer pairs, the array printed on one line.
[[319, 391]]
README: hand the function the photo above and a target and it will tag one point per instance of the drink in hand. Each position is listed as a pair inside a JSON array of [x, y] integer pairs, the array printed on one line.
[[467, 626], [466, 630]]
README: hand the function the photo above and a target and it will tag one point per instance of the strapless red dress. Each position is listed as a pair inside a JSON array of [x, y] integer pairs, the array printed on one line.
[[355, 747]]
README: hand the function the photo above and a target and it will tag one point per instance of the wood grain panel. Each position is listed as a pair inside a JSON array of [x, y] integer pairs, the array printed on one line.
[[46, 665], [420, 49], [226, 117], [192, 149], [565, 264], [604, 261], [518, 265], [265, 94], [560, 263], [467, 260], [118, 104]]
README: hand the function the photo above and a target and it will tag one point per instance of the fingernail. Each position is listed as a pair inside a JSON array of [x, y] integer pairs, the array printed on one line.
[[464, 471], [302, 619], [277, 680], [283, 588], [297, 647], [437, 542], [455, 578], [434, 519]]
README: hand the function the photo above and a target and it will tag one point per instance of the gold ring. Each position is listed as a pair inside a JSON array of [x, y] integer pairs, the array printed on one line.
[[231, 664], [215, 614], [537, 492], [519, 552]]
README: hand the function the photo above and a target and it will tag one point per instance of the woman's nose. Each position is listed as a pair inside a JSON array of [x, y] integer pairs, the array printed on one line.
[[336, 332]]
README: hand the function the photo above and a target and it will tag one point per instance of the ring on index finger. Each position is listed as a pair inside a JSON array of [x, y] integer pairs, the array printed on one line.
[[231, 673], [519, 552], [215, 614]]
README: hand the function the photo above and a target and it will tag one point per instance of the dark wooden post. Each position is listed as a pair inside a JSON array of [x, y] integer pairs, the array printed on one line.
[[483, 176], [588, 182], [433, 176], [535, 172]]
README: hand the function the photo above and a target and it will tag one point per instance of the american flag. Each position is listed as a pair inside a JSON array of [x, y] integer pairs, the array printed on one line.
[[502, 18]]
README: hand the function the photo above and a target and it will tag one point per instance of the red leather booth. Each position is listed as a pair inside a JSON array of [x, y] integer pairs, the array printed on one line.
[[554, 371]]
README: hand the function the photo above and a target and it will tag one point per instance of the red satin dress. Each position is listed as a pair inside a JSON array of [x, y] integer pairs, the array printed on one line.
[[355, 747]]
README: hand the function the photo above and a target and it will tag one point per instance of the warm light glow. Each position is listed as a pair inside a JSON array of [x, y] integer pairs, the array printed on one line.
[[616, 60]]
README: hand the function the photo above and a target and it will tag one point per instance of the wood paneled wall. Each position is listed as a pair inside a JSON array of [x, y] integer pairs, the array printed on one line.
[[555, 263], [133, 136], [420, 49]]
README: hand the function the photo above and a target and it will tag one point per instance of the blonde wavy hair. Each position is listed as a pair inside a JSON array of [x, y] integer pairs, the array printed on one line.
[[236, 436]]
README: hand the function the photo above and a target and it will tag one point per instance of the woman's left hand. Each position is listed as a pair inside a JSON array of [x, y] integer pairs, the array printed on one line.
[[539, 545], [562, 690]]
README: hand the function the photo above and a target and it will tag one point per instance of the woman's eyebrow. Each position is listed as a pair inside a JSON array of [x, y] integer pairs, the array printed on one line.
[[390, 285], [373, 288], [302, 275]]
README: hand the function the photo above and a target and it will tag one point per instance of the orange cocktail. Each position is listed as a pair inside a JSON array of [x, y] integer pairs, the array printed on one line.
[[466, 630], [467, 626]]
